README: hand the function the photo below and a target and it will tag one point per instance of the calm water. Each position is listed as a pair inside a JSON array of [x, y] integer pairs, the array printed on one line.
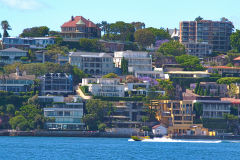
[[51, 148]]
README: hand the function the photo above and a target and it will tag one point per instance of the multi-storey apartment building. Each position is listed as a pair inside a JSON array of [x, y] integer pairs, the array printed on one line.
[[177, 116], [56, 84], [137, 61], [92, 63], [67, 115], [11, 55], [79, 27], [215, 33], [107, 87], [213, 107], [199, 49], [127, 114], [28, 42]]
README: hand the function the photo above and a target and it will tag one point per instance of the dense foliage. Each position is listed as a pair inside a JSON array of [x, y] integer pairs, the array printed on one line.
[[190, 63], [235, 40], [144, 37], [41, 31], [173, 48], [97, 110]]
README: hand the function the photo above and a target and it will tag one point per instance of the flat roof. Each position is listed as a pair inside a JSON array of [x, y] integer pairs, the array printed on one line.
[[188, 72]]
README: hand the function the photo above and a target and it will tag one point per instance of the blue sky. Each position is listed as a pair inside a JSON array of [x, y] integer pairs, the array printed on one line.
[[155, 13]]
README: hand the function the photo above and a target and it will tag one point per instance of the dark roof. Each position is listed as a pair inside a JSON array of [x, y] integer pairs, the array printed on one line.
[[13, 50]]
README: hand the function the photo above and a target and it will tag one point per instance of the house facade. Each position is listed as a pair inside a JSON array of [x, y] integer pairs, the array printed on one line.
[[79, 27], [16, 82], [28, 42], [107, 87], [11, 55], [66, 115], [225, 71], [199, 49], [137, 61], [213, 107], [92, 63], [56, 84]]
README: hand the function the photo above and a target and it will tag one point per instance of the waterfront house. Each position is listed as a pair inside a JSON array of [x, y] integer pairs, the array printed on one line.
[[137, 60], [127, 114], [178, 116], [78, 27], [213, 107], [56, 84], [92, 63], [12, 55], [65, 115]]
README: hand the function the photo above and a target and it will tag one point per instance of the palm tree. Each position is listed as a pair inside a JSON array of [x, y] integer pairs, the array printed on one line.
[[5, 27], [104, 26]]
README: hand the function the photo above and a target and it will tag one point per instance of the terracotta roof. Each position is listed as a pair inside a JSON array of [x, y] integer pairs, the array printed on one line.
[[232, 100], [13, 76], [237, 59], [72, 23], [223, 67], [156, 126]]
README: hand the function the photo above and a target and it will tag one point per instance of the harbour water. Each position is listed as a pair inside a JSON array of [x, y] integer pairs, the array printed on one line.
[[67, 148]]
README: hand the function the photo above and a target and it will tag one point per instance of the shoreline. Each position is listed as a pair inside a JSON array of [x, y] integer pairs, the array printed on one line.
[[101, 135]]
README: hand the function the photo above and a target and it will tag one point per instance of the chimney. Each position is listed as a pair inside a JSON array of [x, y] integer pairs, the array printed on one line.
[[72, 18], [175, 31]]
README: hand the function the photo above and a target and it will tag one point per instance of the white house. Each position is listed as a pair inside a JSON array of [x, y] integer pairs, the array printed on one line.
[[159, 130], [107, 87], [137, 60]]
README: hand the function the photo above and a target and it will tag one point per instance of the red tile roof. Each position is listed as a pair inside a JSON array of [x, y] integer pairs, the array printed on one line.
[[237, 59], [232, 100], [223, 67], [76, 19]]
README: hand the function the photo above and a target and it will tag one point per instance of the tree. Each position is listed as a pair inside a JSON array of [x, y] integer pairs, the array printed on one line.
[[102, 127], [90, 45], [197, 88], [235, 40], [144, 37], [18, 122], [124, 66], [198, 18], [198, 108], [120, 31], [53, 51], [78, 75], [167, 86], [138, 25], [190, 63], [173, 48], [228, 80], [41, 31], [232, 91], [110, 75], [10, 109], [96, 112], [160, 34], [5, 26]]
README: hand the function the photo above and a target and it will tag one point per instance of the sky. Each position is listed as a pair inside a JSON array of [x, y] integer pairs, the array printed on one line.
[[23, 14]]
